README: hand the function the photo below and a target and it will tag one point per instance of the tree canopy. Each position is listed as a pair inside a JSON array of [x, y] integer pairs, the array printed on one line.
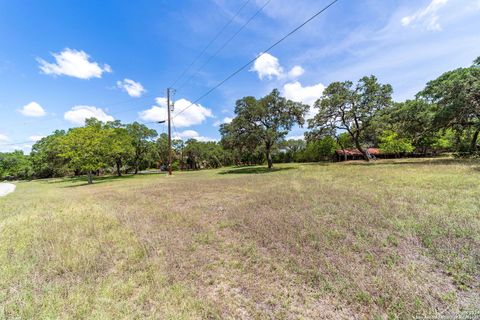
[[457, 95], [351, 108], [264, 121]]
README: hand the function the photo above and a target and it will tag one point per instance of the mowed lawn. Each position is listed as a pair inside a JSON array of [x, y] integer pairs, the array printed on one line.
[[395, 238]]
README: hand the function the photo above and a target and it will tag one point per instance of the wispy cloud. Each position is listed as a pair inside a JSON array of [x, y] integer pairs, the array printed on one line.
[[427, 17]]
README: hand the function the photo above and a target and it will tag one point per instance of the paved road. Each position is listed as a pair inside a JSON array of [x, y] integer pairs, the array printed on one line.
[[6, 188]]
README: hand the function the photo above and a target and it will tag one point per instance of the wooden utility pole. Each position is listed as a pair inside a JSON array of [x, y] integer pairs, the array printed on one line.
[[169, 135]]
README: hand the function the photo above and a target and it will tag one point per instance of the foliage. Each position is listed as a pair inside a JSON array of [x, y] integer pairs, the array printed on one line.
[[15, 165], [319, 150], [120, 143], [391, 143], [161, 148], [344, 106], [457, 94], [290, 150], [87, 148], [45, 156], [263, 122], [142, 137]]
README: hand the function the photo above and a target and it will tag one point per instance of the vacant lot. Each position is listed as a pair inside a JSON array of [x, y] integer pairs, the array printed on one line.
[[348, 240]]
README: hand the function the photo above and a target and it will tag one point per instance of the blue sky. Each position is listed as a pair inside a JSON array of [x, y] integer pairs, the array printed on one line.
[[61, 61]]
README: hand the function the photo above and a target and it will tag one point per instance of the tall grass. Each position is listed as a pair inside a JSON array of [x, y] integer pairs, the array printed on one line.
[[393, 239]]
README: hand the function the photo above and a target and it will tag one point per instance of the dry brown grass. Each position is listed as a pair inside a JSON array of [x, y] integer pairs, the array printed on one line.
[[393, 239]]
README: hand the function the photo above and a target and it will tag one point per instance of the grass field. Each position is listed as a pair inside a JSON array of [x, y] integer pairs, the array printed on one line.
[[390, 239]]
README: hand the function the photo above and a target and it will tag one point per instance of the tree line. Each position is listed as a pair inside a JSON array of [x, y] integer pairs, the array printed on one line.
[[444, 116]]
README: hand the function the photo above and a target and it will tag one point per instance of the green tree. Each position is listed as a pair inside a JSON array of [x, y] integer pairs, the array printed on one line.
[[15, 165], [265, 122], [391, 143], [413, 120], [319, 149], [120, 144], [161, 146], [45, 156], [350, 108], [87, 149], [290, 150], [142, 138], [457, 94]]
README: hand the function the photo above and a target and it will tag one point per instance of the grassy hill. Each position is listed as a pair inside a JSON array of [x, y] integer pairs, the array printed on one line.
[[388, 239]]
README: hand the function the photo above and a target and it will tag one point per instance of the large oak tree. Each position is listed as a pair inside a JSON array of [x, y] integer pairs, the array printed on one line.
[[351, 108], [262, 122], [457, 95]]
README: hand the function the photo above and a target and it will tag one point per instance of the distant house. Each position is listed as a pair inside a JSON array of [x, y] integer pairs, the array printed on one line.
[[354, 154], [376, 153]]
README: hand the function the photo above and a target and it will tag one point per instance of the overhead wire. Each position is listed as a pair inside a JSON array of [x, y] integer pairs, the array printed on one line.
[[257, 56], [175, 129], [209, 44], [223, 45], [237, 70]]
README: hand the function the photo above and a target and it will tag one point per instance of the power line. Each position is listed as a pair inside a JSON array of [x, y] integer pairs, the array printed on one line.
[[209, 44], [242, 67], [175, 129], [224, 44], [259, 55]]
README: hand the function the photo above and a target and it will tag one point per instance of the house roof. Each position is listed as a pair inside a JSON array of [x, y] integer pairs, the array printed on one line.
[[355, 152]]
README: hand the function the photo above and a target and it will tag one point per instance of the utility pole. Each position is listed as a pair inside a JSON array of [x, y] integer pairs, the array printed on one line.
[[169, 135]]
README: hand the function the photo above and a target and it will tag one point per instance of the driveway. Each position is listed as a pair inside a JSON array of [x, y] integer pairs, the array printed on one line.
[[6, 188]]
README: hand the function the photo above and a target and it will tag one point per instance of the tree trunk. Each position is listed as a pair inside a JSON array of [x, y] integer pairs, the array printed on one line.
[[363, 152], [136, 167], [119, 168], [473, 144], [90, 177], [269, 159]]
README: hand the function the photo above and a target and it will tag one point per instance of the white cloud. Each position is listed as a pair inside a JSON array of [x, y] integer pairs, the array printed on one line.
[[134, 89], [192, 134], [73, 63], [268, 66], [78, 114], [307, 95], [36, 138], [33, 109], [225, 120], [4, 138], [296, 72], [194, 114], [426, 17]]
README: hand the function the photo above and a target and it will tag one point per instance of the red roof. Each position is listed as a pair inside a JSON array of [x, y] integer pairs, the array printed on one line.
[[355, 152]]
